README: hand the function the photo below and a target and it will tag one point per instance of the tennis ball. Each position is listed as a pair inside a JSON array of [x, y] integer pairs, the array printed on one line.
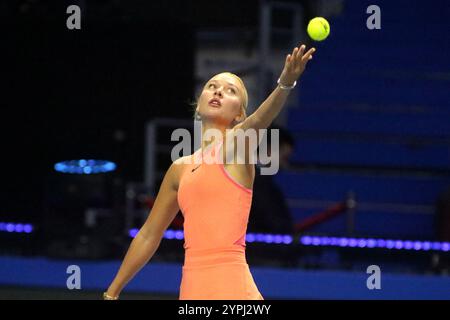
[[318, 29]]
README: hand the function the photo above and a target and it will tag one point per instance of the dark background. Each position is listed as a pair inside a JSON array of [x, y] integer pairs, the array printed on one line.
[[72, 94], [86, 93]]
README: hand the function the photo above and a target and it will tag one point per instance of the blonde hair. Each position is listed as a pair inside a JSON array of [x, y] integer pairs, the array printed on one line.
[[243, 91]]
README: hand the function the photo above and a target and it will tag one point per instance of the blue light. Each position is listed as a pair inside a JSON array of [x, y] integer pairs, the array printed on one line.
[[306, 240], [343, 242], [381, 243], [334, 241], [82, 163], [362, 243], [10, 227], [426, 245], [179, 235], [87, 170], [316, 241], [268, 238], [398, 244], [417, 245], [133, 233], [352, 243], [436, 246], [371, 243], [83, 166], [28, 228], [109, 166], [408, 245], [260, 237], [19, 227], [326, 241], [287, 239], [169, 234], [278, 238], [59, 167]]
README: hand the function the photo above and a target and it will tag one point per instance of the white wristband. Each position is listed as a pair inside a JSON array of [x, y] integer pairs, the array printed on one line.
[[286, 87]]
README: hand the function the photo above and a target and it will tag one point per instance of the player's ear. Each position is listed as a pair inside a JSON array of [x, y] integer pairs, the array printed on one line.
[[241, 117]]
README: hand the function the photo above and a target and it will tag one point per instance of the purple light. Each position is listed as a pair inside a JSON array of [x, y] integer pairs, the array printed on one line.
[[408, 245], [287, 239], [250, 237], [352, 243], [371, 243], [10, 227], [390, 244], [316, 241], [343, 242], [306, 240], [2, 226], [28, 228], [19, 227], [179, 235], [417, 245], [260, 237], [278, 239], [169, 234], [426, 245], [436, 246], [362, 243], [381, 243], [398, 244], [334, 241], [133, 233]]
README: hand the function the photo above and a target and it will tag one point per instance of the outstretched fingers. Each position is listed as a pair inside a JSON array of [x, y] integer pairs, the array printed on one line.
[[308, 55], [288, 59], [300, 51], [298, 58]]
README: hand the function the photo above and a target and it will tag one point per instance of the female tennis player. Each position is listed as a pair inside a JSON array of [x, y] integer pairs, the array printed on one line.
[[214, 197]]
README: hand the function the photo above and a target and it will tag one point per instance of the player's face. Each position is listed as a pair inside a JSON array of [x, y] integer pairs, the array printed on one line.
[[221, 100]]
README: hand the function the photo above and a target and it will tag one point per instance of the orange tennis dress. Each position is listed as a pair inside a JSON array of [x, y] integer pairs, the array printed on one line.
[[216, 210]]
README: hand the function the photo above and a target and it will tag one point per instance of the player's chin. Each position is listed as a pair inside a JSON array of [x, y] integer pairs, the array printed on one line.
[[217, 116], [213, 111]]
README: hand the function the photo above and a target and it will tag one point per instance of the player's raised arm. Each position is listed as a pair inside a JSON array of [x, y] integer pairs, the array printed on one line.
[[293, 68]]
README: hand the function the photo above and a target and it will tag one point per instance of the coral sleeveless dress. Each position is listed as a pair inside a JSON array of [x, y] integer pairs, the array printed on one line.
[[216, 210]]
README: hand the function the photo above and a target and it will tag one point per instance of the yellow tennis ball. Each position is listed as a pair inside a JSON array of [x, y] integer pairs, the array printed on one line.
[[318, 29]]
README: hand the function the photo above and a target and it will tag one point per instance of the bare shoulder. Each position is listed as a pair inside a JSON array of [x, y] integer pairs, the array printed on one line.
[[182, 161], [177, 168]]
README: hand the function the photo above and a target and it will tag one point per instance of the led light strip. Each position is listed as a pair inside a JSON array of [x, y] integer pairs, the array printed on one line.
[[16, 227], [342, 242], [85, 166], [375, 243]]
